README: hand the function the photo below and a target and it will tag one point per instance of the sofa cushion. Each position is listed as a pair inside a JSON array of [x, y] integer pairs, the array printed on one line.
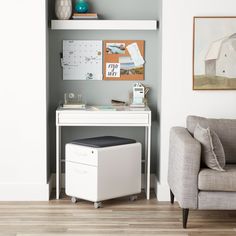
[[212, 152], [216, 200], [212, 180], [224, 128]]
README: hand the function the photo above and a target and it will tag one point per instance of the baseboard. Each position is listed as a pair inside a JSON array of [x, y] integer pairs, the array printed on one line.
[[155, 185], [52, 181], [162, 191], [24, 192]]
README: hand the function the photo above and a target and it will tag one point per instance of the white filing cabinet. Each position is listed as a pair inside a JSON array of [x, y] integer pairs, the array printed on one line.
[[98, 174]]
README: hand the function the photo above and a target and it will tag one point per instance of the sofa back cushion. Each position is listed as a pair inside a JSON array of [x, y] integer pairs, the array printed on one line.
[[212, 151], [224, 128]]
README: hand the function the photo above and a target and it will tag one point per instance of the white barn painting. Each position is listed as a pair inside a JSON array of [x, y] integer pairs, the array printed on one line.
[[214, 53], [221, 58]]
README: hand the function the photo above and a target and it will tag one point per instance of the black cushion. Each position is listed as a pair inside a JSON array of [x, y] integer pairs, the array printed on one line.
[[104, 141]]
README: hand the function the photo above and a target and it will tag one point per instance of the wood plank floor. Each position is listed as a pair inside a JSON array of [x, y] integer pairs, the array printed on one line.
[[117, 217]]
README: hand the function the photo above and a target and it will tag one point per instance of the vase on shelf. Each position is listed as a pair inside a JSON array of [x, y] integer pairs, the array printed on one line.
[[81, 6], [63, 9]]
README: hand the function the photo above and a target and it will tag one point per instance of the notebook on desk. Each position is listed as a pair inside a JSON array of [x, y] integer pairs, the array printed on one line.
[[103, 108]]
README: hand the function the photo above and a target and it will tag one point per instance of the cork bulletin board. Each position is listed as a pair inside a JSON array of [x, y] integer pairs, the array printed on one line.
[[118, 64]]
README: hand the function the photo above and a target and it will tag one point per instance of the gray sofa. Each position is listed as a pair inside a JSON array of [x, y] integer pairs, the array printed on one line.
[[193, 185]]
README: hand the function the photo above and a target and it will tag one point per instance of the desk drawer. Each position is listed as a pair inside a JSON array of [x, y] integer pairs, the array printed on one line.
[[103, 118]]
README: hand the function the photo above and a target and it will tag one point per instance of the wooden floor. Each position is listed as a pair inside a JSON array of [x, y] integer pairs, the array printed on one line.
[[117, 217]]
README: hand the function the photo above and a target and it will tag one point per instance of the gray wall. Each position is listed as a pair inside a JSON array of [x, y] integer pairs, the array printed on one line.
[[101, 92]]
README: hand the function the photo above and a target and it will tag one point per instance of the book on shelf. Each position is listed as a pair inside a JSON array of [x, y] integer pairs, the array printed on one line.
[[84, 18], [75, 106], [78, 16], [85, 14]]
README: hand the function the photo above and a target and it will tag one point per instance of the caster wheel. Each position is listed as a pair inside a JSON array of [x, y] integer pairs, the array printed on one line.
[[97, 205], [133, 198], [73, 199]]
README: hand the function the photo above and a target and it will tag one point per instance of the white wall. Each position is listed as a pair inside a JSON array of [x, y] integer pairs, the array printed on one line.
[[23, 168], [178, 98]]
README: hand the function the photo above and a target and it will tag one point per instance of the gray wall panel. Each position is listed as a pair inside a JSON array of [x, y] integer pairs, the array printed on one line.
[[101, 92]]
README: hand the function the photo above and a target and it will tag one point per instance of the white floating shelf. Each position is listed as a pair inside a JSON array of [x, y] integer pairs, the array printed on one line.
[[104, 25]]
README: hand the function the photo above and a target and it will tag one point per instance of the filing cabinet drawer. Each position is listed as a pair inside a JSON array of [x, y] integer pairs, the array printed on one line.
[[81, 154]]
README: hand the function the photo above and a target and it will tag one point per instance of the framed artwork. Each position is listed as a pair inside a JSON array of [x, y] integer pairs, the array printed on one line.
[[123, 59], [214, 53]]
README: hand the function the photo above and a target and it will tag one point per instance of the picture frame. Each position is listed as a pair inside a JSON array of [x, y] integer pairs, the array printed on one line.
[[214, 53]]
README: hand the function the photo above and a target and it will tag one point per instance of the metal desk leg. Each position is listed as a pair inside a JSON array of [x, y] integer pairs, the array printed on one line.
[[58, 161], [147, 159], [149, 162]]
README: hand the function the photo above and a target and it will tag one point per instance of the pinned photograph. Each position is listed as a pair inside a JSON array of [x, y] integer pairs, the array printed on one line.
[[127, 67], [115, 48]]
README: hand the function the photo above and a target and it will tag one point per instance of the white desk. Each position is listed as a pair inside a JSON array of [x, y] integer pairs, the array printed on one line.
[[123, 116]]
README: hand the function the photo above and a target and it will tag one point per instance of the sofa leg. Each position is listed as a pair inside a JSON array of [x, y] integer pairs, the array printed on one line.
[[172, 197], [185, 217]]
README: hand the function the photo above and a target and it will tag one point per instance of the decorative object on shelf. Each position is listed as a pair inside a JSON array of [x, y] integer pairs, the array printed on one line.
[[81, 6], [63, 9], [214, 56], [123, 59]]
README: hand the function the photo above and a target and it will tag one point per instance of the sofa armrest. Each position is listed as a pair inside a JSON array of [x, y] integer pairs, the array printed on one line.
[[184, 166]]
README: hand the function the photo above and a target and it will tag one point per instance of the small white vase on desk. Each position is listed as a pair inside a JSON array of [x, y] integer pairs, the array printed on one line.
[[63, 9]]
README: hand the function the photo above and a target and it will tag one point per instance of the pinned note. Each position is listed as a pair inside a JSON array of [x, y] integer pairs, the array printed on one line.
[[135, 54], [113, 70]]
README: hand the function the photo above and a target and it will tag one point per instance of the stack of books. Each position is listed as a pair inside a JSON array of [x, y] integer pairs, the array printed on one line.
[[74, 106], [85, 16]]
